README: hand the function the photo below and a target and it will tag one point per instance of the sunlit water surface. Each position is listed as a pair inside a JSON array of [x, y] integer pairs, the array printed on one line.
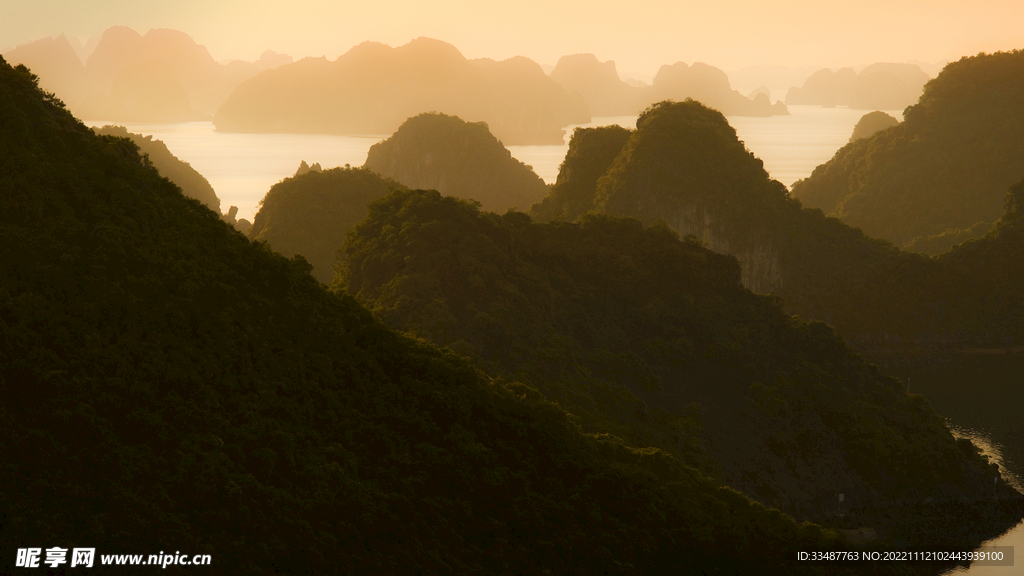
[[1013, 537], [242, 167], [980, 395]]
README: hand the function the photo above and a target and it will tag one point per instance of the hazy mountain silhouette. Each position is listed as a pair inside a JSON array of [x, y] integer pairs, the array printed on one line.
[[945, 169], [168, 380], [599, 85], [709, 86], [607, 95], [192, 183], [373, 88], [162, 76], [457, 158], [880, 86], [55, 62], [870, 123], [270, 60]]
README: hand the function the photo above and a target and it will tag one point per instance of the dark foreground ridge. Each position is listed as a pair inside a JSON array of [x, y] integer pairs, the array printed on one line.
[[167, 384]]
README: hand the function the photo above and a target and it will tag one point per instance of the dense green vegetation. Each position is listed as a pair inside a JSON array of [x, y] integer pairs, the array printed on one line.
[[167, 384], [591, 152], [626, 327], [684, 166], [943, 172], [311, 213], [192, 183], [457, 158]]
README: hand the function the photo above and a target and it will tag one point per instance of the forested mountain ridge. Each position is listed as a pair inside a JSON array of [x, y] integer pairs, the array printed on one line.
[[311, 213], [457, 158], [164, 380], [944, 170], [627, 327], [192, 183], [684, 166]]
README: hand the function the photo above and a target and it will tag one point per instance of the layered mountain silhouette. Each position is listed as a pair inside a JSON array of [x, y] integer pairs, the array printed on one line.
[[607, 95], [166, 380], [192, 183], [373, 89], [457, 158], [882, 86], [626, 326], [162, 76], [684, 166], [311, 213], [944, 171]]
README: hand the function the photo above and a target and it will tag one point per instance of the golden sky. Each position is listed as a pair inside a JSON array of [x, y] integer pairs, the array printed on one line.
[[640, 36]]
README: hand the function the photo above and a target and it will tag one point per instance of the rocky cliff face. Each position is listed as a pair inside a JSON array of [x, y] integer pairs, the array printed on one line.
[[758, 257]]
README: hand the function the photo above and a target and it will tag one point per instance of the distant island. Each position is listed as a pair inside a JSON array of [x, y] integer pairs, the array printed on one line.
[[374, 88], [881, 86], [160, 77], [608, 95]]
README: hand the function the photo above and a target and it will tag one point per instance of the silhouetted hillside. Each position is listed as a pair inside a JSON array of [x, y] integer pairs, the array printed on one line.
[[373, 88], [881, 86], [709, 86], [625, 327], [591, 152], [311, 213], [164, 380], [270, 60], [458, 158], [607, 95], [685, 167], [945, 169], [599, 85], [870, 123], [192, 183], [55, 62], [162, 76]]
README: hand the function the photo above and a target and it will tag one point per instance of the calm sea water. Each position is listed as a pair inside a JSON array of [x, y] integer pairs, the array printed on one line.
[[242, 167]]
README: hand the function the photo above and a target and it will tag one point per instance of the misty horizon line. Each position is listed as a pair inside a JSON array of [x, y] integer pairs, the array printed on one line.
[[85, 45]]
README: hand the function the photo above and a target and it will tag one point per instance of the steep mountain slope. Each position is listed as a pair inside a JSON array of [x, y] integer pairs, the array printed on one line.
[[192, 183], [165, 382], [311, 213], [625, 327], [945, 169], [457, 158]]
